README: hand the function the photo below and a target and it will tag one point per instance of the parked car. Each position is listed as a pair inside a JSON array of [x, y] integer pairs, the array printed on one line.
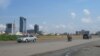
[[26, 38], [87, 36]]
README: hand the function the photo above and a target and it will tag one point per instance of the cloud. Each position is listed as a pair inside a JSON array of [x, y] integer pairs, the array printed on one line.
[[73, 15], [86, 12], [98, 18], [57, 26], [86, 20], [71, 27], [31, 26], [44, 23], [41, 27], [60, 26], [44, 28], [4, 3], [2, 27], [63, 26]]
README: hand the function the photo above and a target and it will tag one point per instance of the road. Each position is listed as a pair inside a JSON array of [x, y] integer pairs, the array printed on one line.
[[28, 49], [92, 49]]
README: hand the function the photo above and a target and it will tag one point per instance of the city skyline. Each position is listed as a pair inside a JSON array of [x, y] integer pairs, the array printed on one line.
[[52, 15]]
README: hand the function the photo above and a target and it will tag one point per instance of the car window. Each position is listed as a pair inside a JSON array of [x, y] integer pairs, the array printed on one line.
[[30, 35], [24, 36]]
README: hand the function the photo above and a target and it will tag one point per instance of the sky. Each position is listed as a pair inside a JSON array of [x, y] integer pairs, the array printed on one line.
[[52, 15]]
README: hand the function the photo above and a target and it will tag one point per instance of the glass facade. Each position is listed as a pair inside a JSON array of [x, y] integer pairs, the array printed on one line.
[[9, 28], [22, 25]]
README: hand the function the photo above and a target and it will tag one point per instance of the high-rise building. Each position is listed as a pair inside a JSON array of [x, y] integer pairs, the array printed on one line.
[[10, 28], [36, 28], [22, 25]]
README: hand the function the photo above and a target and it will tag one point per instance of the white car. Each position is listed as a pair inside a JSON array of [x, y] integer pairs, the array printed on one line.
[[27, 38]]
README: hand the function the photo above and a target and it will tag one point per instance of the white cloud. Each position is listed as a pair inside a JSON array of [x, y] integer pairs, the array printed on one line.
[[63, 26], [86, 20], [45, 28], [86, 12], [71, 27], [44, 23], [97, 20], [41, 27], [2, 27], [60, 26], [57, 26], [31, 26], [73, 15], [4, 3], [98, 17]]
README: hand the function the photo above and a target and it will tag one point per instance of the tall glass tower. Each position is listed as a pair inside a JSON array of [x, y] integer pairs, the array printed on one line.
[[22, 25]]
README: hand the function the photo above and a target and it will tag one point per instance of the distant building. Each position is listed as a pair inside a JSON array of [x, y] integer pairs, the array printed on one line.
[[97, 33], [10, 28], [30, 31], [36, 28], [82, 32], [23, 25]]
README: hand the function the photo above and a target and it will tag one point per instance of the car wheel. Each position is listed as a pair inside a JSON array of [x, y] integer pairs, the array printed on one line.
[[26, 40], [34, 40], [19, 41]]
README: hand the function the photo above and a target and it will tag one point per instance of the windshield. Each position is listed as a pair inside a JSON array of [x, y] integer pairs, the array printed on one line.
[[27, 36], [24, 36]]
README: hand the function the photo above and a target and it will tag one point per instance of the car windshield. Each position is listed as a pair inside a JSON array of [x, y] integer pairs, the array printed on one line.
[[24, 36], [27, 36], [30, 35]]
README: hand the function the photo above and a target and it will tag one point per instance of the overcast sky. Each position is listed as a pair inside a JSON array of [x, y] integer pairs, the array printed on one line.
[[52, 15]]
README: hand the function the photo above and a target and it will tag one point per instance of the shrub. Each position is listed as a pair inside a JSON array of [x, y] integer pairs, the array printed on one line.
[[5, 37]]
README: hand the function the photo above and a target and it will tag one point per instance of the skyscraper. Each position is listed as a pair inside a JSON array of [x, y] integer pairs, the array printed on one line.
[[10, 28], [36, 28], [22, 25]]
